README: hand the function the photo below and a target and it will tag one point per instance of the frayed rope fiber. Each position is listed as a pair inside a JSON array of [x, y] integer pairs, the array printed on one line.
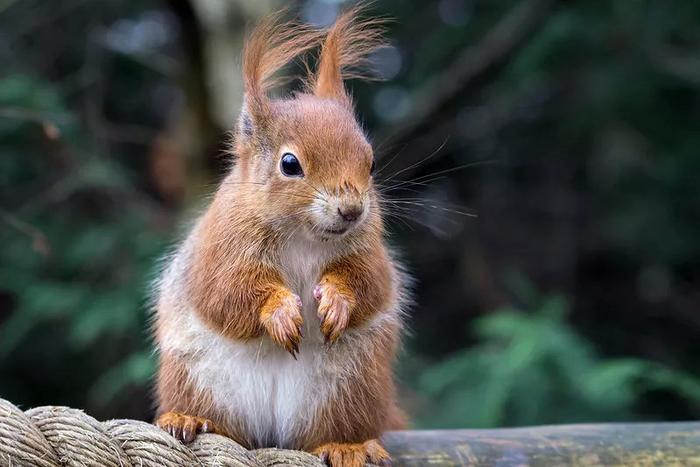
[[53, 436]]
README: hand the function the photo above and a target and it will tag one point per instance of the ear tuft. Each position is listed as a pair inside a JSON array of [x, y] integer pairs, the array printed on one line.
[[348, 43], [271, 45]]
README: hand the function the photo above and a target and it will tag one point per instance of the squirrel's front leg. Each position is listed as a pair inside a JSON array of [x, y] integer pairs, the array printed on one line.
[[281, 317], [350, 291]]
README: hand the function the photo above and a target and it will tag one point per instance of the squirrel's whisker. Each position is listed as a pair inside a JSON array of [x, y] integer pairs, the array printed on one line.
[[422, 161]]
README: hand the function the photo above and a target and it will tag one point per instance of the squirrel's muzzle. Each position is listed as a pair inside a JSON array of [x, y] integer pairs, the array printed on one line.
[[350, 212], [341, 211]]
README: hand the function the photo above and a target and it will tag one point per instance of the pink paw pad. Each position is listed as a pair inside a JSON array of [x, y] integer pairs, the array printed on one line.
[[317, 292]]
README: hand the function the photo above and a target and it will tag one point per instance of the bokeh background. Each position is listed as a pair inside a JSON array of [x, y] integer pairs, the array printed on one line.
[[544, 155]]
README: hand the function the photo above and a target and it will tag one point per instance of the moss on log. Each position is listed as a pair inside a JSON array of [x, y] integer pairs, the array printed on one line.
[[617, 444]]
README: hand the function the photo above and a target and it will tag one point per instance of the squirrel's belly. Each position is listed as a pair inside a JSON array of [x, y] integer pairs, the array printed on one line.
[[264, 391], [258, 388]]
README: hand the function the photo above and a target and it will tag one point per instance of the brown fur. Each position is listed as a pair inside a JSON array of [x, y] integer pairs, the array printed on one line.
[[367, 407], [365, 278], [354, 455], [233, 276], [178, 394], [271, 46], [182, 405], [344, 54]]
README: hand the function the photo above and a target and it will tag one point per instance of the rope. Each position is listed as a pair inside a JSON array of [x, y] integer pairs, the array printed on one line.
[[54, 436]]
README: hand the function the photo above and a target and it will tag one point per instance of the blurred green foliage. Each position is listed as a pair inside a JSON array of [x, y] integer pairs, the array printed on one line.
[[77, 253], [532, 368]]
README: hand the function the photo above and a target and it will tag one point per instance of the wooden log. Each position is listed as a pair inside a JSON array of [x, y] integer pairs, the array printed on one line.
[[616, 444]]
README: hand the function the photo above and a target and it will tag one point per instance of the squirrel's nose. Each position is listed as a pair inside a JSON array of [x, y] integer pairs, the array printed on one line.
[[350, 213]]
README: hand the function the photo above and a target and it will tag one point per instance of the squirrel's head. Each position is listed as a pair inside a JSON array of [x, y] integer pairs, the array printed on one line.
[[304, 160]]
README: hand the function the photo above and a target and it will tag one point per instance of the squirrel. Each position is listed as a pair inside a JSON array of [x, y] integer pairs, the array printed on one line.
[[279, 318]]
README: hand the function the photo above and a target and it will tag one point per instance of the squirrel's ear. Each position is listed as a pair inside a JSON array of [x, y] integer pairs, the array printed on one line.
[[344, 53], [271, 45], [245, 122], [249, 134]]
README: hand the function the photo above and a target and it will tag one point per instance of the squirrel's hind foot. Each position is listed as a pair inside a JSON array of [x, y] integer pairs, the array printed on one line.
[[353, 455], [185, 427]]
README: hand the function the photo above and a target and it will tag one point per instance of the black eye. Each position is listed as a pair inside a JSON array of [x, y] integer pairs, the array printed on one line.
[[290, 166], [371, 169]]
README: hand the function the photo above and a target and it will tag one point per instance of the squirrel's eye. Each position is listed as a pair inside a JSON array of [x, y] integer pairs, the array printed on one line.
[[290, 166], [372, 167]]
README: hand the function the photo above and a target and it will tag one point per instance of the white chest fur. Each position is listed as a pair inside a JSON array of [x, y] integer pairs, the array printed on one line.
[[301, 264], [257, 383]]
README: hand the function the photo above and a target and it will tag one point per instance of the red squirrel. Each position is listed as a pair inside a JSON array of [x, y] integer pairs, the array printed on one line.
[[279, 317]]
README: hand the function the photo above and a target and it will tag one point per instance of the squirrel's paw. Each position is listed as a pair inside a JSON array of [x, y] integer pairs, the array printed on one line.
[[282, 319], [353, 455], [185, 427], [333, 309]]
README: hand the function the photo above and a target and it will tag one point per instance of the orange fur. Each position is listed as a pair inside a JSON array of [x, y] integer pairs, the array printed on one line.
[[269, 48], [186, 427], [179, 396], [344, 53], [366, 277], [354, 455], [368, 407], [239, 272], [180, 403], [281, 318]]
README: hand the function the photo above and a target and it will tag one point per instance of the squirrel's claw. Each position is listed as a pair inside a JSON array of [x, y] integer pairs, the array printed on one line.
[[294, 350], [185, 427]]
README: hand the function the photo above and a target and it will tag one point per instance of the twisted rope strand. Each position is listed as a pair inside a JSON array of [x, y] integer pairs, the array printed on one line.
[[54, 436]]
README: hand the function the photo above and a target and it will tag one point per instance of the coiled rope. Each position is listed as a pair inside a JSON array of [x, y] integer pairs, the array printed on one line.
[[53, 436]]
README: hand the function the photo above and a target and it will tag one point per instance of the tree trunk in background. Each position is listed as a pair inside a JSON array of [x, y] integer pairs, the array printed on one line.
[[212, 33]]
